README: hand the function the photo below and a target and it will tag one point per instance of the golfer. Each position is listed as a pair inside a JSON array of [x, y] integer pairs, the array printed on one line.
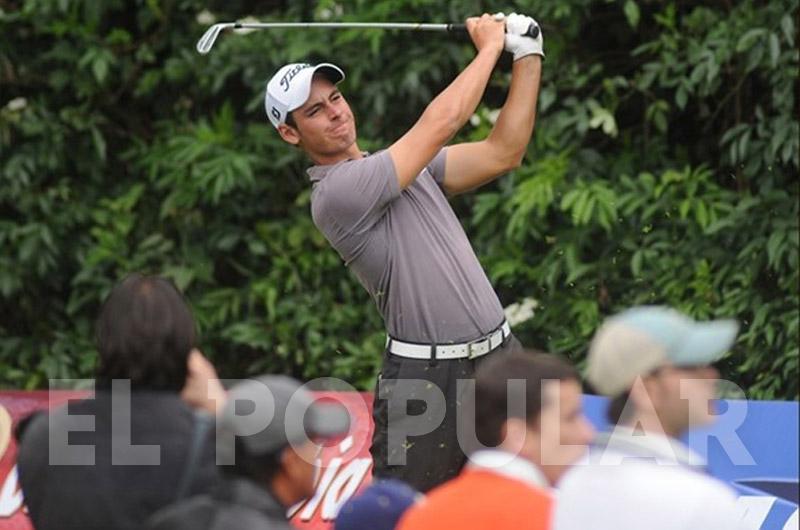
[[388, 217]]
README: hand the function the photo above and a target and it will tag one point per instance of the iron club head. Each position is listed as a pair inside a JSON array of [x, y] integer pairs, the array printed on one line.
[[210, 36]]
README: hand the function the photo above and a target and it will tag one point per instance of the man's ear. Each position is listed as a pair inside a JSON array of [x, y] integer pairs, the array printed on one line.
[[514, 431], [646, 393], [291, 463], [289, 134]]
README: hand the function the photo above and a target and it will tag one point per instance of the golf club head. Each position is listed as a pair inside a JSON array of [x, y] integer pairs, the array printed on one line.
[[210, 36]]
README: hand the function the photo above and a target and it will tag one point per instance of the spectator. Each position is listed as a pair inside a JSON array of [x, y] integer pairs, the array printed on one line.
[[378, 507], [130, 445], [271, 458], [655, 363], [532, 438]]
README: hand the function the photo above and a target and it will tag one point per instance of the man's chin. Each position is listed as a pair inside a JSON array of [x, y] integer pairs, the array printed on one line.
[[346, 138], [346, 142]]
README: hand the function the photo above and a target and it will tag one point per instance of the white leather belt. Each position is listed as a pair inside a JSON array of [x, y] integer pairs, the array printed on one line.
[[465, 350]]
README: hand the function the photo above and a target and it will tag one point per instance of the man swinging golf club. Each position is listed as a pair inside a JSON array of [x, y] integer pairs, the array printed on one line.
[[388, 217]]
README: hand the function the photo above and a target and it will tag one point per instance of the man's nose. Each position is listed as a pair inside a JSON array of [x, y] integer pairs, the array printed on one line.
[[334, 112]]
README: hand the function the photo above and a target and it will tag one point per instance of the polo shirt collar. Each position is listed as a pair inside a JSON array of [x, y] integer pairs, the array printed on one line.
[[317, 173], [664, 449], [509, 465]]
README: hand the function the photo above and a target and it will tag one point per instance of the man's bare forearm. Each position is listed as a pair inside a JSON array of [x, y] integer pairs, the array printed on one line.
[[450, 110], [456, 103], [514, 126]]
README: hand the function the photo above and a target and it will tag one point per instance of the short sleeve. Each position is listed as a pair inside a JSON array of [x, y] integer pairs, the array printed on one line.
[[356, 194], [436, 167]]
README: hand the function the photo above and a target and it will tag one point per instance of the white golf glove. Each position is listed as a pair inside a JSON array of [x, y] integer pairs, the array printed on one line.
[[517, 42]]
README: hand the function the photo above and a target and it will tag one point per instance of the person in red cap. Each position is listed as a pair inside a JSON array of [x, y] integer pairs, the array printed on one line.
[[267, 446]]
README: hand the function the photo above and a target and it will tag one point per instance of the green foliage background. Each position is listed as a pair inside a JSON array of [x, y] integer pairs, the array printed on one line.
[[663, 170]]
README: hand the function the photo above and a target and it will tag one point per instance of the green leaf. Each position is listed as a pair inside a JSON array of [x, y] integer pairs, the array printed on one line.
[[631, 9], [588, 210], [775, 248], [100, 66], [603, 118], [749, 39], [742, 145], [660, 121], [99, 143], [774, 49], [787, 26], [681, 97], [701, 213], [636, 263]]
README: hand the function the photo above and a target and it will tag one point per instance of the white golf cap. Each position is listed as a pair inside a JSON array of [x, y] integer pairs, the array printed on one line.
[[641, 339], [290, 86]]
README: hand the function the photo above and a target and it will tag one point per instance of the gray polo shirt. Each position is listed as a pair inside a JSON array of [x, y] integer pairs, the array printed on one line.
[[407, 248]]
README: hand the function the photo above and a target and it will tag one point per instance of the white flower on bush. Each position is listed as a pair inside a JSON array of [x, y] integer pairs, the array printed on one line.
[[521, 311], [17, 104], [484, 114], [205, 17]]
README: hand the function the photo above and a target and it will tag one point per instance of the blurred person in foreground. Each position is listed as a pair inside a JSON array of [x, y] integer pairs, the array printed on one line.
[[268, 436], [143, 439], [655, 364], [531, 437], [379, 507]]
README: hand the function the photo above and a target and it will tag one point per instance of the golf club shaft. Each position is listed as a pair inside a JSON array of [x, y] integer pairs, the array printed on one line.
[[207, 40], [210, 36], [414, 26]]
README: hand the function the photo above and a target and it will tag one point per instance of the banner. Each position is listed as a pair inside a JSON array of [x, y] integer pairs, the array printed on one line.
[[753, 446]]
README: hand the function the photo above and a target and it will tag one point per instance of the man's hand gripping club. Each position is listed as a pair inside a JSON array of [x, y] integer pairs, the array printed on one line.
[[518, 41]]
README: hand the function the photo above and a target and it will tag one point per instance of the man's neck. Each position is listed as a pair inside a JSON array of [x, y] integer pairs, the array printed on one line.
[[510, 464], [651, 443], [352, 153], [651, 423]]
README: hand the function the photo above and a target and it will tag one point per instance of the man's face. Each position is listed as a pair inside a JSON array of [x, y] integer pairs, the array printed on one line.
[[683, 396], [300, 467], [325, 127], [563, 430]]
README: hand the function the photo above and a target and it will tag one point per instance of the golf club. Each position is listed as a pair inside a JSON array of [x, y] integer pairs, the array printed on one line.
[[210, 36]]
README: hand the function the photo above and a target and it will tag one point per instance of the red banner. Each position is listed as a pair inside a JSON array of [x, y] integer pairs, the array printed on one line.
[[344, 469]]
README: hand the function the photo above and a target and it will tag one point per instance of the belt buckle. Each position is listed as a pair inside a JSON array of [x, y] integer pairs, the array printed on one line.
[[470, 354]]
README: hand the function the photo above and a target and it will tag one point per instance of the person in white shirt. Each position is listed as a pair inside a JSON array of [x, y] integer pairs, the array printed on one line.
[[655, 364]]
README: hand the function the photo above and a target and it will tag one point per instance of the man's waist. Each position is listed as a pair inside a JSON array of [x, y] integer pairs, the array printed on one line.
[[450, 350]]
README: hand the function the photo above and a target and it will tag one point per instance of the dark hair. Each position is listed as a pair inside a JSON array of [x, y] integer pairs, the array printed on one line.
[[491, 389], [258, 468], [145, 333], [616, 407], [290, 120]]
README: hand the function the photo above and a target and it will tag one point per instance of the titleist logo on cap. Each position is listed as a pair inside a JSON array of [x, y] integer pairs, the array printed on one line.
[[288, 76]]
